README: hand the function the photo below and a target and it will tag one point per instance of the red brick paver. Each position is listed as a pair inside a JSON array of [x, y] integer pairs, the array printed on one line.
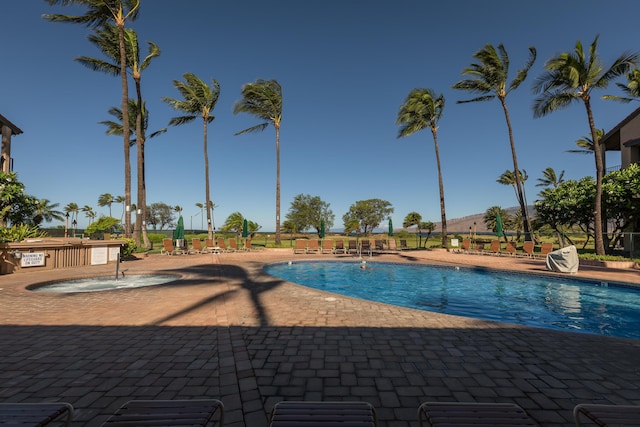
[[226, 330]]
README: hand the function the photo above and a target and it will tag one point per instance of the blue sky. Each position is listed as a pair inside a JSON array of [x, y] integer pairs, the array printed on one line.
[[345, 68]]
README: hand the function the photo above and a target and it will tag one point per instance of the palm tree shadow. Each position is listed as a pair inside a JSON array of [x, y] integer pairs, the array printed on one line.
[[220, 274]]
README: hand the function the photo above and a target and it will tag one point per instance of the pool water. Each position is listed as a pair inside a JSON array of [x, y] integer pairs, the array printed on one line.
[[525, 299]]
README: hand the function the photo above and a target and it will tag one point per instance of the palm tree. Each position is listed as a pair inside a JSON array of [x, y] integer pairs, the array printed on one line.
[[489, 78], [263, 99], [572, 76], [198, 100], [632, 88], [88, 212], [99, 13], [44, 211], [106, 39], [121, 200], [490, 215], [414, 218], [105, 199], [73, 209], [201, 206], [422, 109], [550, 178]]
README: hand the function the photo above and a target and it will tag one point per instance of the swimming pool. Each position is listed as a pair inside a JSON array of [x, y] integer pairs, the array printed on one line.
[[533, 300]]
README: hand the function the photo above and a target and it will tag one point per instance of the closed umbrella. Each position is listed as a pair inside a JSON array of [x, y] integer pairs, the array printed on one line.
[[499, 231], [390, 227], [178, 233], [322, 228], [245, 228]]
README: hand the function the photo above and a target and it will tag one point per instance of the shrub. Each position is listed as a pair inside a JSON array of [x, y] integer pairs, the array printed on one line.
[[19, 232], [128, 248]]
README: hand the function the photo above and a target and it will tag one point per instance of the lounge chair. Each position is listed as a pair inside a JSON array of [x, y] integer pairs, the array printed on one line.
[[365, 247], [313, 246], [222, 246], [233, 245], [169, 249], [379, 246], [606, 415], [511, 248], [318, 414], [545, 248], [248, 246], [353, 247], [528, 248], [35, 414], [465, 246], [197, 412], [211, 247], [301, 247], [393, 246], [494, 248], [327, 246], [403, 245], [453, 414], [196, 247], [339, 247]]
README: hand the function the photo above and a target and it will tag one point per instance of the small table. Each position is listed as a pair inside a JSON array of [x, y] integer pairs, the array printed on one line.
[[196, 412], [35, 414], [603, 415]]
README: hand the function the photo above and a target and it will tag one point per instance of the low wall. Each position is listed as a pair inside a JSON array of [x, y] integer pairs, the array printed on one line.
[[56, 253]]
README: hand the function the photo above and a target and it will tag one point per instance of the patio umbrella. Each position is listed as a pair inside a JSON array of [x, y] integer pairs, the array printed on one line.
[[178, 233], [245, 228], [322, 228], [499, 231], [390, 227]]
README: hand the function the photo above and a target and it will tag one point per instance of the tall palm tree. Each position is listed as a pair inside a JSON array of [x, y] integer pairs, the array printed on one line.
[[572, 76], [88, 212], [73, 209], [550, 178], [99, 13], [509, 178], [489, 78], [105, 199], [414, 218], [263, 99], [198, 100], [423, 109], [106, 39]]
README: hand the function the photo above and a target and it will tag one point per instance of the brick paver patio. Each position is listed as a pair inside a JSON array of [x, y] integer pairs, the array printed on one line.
[[226, 330]]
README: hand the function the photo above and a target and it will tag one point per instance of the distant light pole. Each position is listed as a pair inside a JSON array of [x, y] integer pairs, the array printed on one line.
[[66, 225], [75, 224]]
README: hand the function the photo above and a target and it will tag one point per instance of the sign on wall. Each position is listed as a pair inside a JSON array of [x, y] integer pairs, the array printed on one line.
[[32, 259], [98, 255]]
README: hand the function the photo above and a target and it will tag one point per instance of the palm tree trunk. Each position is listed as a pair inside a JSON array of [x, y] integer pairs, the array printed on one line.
[[443, 214], [523, 207], [126, 132], [598, 219], [277, 126], [207, 193], [142, 182]]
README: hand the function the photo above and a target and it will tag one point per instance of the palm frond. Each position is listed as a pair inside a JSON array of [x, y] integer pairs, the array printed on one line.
[[256, 128], [177, 121], [551, 101]]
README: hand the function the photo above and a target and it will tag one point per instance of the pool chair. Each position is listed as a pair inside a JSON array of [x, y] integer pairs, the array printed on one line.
[[301, 247], [494, 248], [339, 247], [222, 246], [169, 249], [248, 246], [313, 247], [452, 414], [403, 245], [545, 248], [365, 247], [233, 245], [511, 249], [196, 247], [353, 247], [528, 248], [202, 412], [319, 414], [379, 246], [36, 414], [210, 246], [393, 246], [327, 246], [606, 415]]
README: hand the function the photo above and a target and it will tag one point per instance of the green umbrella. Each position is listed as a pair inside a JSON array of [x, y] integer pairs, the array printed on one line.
[[322, 228], [245, 228], [499, 231], [178, 233], [390, 227]]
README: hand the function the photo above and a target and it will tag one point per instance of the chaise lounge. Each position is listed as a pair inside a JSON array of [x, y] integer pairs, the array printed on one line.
[[197, 412], [459, 414], [323, 414]]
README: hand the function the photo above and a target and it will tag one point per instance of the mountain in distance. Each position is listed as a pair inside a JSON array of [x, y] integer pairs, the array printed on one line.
[[463, 224]]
